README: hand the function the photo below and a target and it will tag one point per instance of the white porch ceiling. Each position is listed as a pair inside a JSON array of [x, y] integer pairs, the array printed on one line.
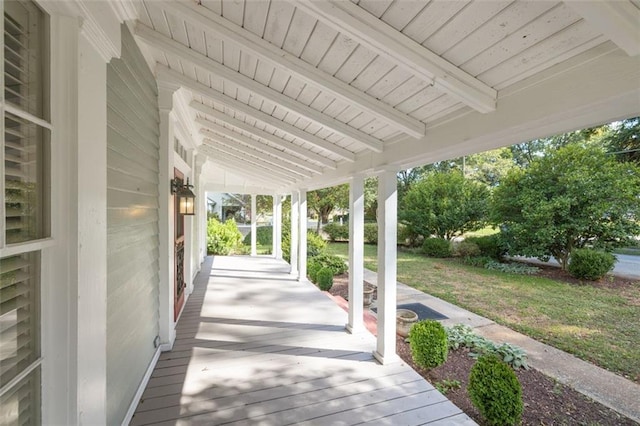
[[289, 94]]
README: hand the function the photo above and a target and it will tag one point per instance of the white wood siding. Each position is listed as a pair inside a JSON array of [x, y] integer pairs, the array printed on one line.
[[132, 212]]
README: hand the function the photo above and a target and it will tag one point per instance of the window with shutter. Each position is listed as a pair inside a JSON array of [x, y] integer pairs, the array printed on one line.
[[25, 161]]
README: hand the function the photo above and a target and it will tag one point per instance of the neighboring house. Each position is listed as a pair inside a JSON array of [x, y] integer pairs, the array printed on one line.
[[106, 102]]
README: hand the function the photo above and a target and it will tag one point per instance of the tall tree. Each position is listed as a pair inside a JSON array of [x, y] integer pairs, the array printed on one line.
[[623, 140], [572, 197], [324, 201], [445, 204]]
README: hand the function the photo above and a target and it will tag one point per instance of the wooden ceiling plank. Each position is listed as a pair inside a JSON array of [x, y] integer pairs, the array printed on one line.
[[271, 53], [388, 42]]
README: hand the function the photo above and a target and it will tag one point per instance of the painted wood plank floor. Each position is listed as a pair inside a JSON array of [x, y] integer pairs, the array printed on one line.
[[255, 347]]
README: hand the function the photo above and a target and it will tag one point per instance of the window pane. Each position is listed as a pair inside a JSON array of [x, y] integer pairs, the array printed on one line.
[[21, 404], [19, 314], [24, 56], [26, 180]]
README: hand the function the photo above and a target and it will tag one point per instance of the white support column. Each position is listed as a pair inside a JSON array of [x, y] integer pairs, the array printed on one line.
[[254, 227], [385, 351], [356, 254], [295, 230], [274, 226], [302, 220], [166, 220], [278, 220]]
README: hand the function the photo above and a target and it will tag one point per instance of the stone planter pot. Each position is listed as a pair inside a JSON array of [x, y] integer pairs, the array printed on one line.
[[367, 292], [404, 320]]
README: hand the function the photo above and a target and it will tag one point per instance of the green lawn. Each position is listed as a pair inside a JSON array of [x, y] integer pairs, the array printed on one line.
[[600, 325]]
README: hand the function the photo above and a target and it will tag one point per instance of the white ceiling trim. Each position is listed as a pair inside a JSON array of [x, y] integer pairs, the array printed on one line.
[[217, 132], [213, 23], [376, 35], [232, 148], [174, 77], [165, 44], [241, 125], [618, 20]]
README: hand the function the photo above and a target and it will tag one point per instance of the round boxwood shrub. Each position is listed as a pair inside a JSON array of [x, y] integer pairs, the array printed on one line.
[[589, 264], [495, 391], [371, 233], [428, 342], [467, 249], [490, 245], [325, 279], [436, 247], [336, 232], [312, 270]]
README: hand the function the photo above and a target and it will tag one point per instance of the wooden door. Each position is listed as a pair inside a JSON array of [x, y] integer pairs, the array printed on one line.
[[179, 281]]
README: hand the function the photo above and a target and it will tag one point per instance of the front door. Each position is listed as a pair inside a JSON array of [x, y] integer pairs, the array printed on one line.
[[179, 282]]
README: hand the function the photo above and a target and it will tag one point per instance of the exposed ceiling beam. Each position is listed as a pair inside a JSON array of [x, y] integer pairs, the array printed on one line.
[[617, 20], [213, 23], [170, 46], [236, 141], [239, 167], [258, 148], [177, 78], [231, 148], [241, 125], [373, 33]]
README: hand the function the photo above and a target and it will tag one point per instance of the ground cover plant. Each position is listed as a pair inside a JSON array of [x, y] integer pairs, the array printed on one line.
[[597, 322]]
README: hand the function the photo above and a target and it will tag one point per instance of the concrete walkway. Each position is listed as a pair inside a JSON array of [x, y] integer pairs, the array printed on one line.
[[607, 388]]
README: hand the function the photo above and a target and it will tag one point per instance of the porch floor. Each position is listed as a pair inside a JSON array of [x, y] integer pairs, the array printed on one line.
[[254, 346]]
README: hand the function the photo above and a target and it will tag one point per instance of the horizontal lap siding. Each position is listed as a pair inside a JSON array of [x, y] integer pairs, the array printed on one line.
[[132, 215]]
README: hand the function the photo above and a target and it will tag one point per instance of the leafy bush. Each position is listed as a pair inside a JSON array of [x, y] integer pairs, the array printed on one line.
[[264, 236], [313, 268], [590, 264], [325, 279], [512, 268], [462, 336], [222, 238], [466, 249], [436, 247], [490, 245], [371, 233], [315, 244], [477, 261], [495, 391], [408, 237], [332, 262], [336, 231], [428, 341]]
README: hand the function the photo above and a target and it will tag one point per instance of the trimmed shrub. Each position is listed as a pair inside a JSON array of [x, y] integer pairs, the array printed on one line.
[[337, 232], [428, 341], [334, 263], [436, 247], [325, 279], [495, 391], [222, 238], [490, 245], [466, 249], [264, 236], [371, 233], [589, 264], [313, 268]]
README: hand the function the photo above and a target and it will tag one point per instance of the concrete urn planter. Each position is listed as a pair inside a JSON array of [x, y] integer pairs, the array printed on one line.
[[367, 292], [404, 320]]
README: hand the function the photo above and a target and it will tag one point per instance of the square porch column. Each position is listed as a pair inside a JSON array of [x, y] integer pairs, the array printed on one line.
[[254, 221], [302, 244], [356, 254], [295, 228], [277, 226], [385, 351]]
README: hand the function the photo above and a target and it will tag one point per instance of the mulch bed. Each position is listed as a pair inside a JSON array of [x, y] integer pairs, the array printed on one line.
[[546, 402]]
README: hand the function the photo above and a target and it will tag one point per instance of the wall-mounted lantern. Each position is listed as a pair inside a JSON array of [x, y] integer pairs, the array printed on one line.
[[186, 198]]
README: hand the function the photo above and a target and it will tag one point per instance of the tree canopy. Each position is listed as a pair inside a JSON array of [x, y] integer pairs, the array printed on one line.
[[324, 201], [445, 204], [571, 197]]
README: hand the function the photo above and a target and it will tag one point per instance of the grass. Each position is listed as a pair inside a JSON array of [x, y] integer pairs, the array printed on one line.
[[597, 324]]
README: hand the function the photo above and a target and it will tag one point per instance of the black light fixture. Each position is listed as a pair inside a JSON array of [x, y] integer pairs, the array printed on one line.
[[186, 198]]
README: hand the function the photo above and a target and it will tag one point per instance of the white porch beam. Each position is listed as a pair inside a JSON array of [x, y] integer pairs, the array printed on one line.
[[213, 23], [241, 125], [254, 227], [295, 230], [356, 254], [166, 74], [285, 160], [231, 150], [168, 45], [617, 20], [350, 19], [387, 257], [302, 244]]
